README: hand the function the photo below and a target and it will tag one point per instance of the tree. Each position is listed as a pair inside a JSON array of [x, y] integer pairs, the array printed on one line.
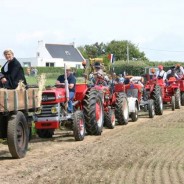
[[92, 51], [119, 49]]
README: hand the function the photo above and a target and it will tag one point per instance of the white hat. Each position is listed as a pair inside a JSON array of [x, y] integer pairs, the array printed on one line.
[[68, 67]]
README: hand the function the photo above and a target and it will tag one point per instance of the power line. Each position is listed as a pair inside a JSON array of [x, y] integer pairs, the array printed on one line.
[[160, 50]]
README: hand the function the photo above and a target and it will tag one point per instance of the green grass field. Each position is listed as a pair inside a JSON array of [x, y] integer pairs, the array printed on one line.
[[49, 80]]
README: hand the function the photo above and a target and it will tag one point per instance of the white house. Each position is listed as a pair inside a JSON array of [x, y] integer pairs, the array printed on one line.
[[53, 55]]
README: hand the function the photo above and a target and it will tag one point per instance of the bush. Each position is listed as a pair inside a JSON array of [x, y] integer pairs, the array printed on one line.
[[138, 67]]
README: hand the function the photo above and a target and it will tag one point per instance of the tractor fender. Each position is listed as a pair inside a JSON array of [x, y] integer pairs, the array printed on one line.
[[131, 104]]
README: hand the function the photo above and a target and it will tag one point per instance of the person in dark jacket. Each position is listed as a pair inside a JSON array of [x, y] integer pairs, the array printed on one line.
[[12, 72]]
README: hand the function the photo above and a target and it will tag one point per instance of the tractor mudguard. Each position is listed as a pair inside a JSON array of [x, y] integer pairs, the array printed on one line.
[[131, 104]]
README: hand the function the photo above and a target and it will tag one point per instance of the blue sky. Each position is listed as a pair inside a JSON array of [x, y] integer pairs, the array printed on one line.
[[156, 26]]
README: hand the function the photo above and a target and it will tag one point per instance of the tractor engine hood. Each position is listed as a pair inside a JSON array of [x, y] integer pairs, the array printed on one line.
[[55, 95]]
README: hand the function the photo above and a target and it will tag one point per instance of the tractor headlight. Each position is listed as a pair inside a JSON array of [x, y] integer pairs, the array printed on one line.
[[54, 110], [39, 111]]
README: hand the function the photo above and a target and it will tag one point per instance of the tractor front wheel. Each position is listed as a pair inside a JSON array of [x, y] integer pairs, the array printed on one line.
[[134, 115], [151, 108], [177, 99], [182, 98], [121, 109], [109, 119], [78, 126], [173, 103], [158, 102]]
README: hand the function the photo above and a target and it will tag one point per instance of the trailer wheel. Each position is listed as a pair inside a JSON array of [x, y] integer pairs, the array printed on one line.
[[78, 126], [93, 113], [134, 115], [158, 102], [151, 108], [17, 135], [109, 119], [177, 99], [173, 103], [182, 98], [121, 109], [3, 126], [45, 133]]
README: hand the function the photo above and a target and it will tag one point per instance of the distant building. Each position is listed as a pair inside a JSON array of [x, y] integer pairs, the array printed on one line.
[[53, 55]]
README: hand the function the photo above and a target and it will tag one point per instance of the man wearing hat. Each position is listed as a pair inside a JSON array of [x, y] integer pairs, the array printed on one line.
[[71, 85], [161, 74]]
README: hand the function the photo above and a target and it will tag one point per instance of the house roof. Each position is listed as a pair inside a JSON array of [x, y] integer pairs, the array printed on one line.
[[67, 52]]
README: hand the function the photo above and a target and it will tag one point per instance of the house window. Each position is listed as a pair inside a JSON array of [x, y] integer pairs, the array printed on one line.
[[67, 53], [78, 66], [26, 64], [49, 64]]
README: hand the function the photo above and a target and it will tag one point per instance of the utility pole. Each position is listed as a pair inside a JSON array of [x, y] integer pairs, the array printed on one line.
[[127, 53]]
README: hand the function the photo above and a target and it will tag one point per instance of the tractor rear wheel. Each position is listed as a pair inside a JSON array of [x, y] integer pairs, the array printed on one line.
[[182, 98], [93, 113], [121, 109], [78, 126], [177, 99], [158, 102], [151, 108], [134, 115], [17, 135], [45, 133], [109, 119], [173, 103]]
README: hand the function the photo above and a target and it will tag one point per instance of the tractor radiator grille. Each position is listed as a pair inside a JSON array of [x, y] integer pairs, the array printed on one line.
[[46, 111]]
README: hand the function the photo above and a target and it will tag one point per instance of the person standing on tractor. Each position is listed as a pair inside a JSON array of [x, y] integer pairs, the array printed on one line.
[[161, 74], [72, 82], [179, 71]]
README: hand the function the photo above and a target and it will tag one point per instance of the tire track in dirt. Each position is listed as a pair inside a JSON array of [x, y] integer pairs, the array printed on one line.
[[179, 168], [110, 158], [174, 177], [149, 165]]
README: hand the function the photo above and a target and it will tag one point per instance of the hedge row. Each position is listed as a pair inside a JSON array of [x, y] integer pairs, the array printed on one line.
[[138, 67], [132, 68], [53, 72]]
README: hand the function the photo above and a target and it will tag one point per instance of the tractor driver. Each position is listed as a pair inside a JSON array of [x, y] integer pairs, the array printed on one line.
[[179, 71], [161, 74], [71, 85], [98, 72]]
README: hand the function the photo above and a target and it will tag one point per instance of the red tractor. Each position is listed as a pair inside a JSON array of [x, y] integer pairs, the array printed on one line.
[[171, 92], [108, 105], [54, 114]]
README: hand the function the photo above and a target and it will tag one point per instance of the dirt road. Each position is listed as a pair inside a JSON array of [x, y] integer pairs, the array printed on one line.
[[147, 151]]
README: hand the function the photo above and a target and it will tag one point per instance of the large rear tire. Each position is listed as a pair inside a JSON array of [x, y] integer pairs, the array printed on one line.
[[109, 119], [177, 99], [121, 109], [158, 102], [151, 108], [93, 113], [78, 126], [45, 133], [18, 135]]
